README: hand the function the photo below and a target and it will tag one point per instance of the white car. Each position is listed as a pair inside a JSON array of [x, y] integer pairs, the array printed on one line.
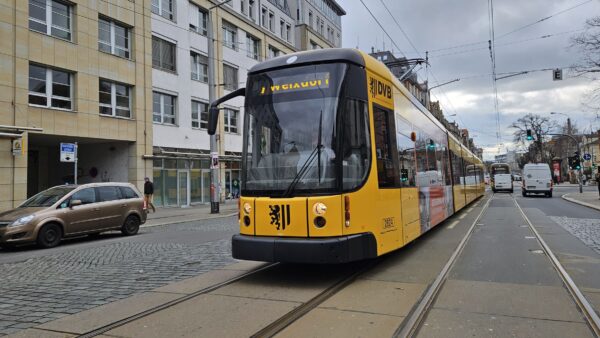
[[537, 179], [502, 182]]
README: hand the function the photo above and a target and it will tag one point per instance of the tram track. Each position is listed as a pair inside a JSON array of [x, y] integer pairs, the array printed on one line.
[[108, 327], [287, 319], [582, 303], [411, 324]]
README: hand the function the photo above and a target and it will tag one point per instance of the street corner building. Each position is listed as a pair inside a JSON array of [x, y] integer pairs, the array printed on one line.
[[244, 33], [80, 72]]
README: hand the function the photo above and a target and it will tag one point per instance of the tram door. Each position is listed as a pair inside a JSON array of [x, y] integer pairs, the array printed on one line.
[[409, 193], [388, 176]]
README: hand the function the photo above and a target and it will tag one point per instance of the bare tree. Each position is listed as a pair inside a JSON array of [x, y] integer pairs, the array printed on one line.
[[539, 126], [588, 44]]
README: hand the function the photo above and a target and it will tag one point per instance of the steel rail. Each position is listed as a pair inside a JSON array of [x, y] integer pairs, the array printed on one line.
[[412, 323], [127, 320], [290, 317], [588, 311]]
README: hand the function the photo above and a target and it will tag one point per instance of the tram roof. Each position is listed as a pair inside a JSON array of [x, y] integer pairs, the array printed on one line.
[[311, 57]]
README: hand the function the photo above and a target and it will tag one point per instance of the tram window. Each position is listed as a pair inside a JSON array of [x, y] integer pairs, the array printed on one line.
[[457, 170], [384, 134], [446, 164], [406, 153], [356, 144]]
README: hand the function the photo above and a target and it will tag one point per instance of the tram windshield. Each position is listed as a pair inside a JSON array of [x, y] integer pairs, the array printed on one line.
[[291, 139]]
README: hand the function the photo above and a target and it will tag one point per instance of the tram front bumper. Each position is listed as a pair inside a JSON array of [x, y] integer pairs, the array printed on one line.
[[304, 250]]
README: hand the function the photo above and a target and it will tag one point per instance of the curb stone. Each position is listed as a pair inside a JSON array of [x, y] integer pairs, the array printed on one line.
[[573, 200]]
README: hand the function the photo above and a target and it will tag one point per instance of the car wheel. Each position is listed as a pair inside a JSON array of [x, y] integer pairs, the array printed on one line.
[[49, 235], [131, 226]]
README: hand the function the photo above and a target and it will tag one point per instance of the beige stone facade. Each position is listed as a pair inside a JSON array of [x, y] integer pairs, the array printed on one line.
[[120, 143]]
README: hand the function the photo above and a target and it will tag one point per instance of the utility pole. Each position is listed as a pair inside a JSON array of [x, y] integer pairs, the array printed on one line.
[[214, 152]]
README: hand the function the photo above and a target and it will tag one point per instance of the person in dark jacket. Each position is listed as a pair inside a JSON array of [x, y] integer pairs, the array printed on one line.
[[148, 192], [598, 180]]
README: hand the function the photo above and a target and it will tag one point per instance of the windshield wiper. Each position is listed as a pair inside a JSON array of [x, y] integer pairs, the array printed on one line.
[[315, 153], [303, 170]]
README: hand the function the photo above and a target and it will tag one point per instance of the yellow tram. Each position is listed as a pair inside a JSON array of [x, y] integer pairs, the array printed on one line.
[[340, 162]]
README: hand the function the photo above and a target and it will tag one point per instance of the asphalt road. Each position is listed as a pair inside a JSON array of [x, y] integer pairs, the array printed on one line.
[[41, 285]]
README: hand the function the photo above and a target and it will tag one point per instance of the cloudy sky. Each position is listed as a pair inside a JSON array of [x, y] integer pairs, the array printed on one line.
[[439, 26]]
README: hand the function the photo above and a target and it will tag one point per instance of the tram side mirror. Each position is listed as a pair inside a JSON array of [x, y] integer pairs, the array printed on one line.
[[213, 109], [404, 175]]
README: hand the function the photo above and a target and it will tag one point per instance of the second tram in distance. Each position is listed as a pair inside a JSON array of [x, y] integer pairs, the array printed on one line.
[[340, 162]]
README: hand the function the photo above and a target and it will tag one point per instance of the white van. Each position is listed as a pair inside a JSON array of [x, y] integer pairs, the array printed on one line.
[[537, 179], [502, 182]]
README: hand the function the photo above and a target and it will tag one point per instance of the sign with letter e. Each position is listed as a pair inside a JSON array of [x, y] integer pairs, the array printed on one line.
[[67, 152]]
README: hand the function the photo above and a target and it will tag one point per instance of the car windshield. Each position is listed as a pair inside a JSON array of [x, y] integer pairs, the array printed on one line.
[[47, 197], [292, 128]]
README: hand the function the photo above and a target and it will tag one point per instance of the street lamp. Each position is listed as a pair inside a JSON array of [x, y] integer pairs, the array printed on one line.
[[214, 153]]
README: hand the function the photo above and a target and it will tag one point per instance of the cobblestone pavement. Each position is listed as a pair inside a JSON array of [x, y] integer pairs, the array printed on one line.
[[586, 229], [42, 288]]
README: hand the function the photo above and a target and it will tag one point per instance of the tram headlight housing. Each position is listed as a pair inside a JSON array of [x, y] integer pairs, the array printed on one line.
[[319, 209], [247, 208]]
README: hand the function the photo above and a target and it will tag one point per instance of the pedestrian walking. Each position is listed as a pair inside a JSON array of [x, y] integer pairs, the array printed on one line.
[[598, 182], [148, 192]]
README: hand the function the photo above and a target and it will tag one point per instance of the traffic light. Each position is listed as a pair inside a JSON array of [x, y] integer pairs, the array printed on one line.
[[557, 74], [576, 163], [529, 135], [431, 144]]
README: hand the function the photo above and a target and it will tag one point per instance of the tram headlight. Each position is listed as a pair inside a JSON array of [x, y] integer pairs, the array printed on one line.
[[319, 209], [247, 208]]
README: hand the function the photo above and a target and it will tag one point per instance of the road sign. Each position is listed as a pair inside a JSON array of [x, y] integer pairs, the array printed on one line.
[[67, 152], [587, 157]]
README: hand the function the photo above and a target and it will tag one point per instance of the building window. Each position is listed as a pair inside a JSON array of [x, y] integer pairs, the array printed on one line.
[[252, 47], [198, 19], [50, 87], [273, 52], [51, 17], [231, 118], [243, 7], [271, 21], [199, 114], [318, 24], [230, 77], [310, 19], [321, 27], [251, 9], [199, 67], [164, 8], [288, 33], [163, 54], [163, 108], [229, 35], [113, 38], [115, 99], [263, 17], [282, 29]]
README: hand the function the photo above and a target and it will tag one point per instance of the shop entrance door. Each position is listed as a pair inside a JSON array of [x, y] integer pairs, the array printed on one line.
[[183, 196], [205, 186]]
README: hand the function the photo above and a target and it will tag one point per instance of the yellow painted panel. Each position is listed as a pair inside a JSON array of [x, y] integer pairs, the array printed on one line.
[[459, 198], [334, 216], [280, 217], [410, 214], [247, 229], [387, 220]]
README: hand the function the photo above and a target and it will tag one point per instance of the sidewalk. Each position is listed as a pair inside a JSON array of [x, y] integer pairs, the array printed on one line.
[[587, 198], [171, 215]]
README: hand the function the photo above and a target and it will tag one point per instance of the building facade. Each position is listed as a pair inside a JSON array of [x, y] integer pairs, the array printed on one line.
[[76, 71], [245, 32], [318, 23]]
